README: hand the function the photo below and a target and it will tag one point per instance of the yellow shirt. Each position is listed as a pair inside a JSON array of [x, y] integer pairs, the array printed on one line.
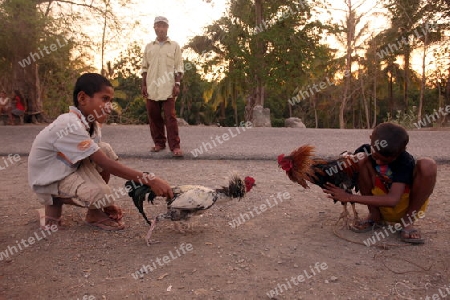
[[161, 61]]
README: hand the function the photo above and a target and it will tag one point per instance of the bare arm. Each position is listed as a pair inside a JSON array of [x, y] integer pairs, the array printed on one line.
[[176, 87], [179, 69], [144, 85], [159, 186], [144, 71], [391, 199]]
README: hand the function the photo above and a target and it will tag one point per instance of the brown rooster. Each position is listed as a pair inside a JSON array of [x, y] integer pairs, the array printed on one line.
[[301, 167]]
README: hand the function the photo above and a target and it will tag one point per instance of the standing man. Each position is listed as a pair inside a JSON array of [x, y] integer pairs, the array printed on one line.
[[162, 70]]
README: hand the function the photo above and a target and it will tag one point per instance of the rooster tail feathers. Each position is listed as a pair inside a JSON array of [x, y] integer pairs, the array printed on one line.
[[235, 188], [298, 165], [140, 193]]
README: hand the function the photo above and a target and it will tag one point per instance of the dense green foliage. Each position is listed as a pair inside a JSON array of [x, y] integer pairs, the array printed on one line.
[[286, 55]]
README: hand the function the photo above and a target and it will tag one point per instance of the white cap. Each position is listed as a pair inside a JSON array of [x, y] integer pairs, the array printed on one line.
[[161, 19]]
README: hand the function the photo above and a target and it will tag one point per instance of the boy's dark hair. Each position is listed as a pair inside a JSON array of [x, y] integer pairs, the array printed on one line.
[[90, 83], [395, 136]]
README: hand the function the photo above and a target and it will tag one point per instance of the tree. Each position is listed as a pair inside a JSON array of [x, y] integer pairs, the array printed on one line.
[[288, 36], [21, 23], [350, 34], [29, 28], [405, 15]]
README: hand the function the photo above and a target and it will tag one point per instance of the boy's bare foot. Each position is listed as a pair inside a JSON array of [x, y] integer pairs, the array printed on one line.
[[99, 219], [53, 215], [115, 213]]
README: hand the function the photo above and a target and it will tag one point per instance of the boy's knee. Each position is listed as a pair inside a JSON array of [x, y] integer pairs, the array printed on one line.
[[366, 170], [108, 150], [426, 167], [96, 195]]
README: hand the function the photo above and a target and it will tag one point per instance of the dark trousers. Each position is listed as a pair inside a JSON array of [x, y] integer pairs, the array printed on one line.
[[157, 123]]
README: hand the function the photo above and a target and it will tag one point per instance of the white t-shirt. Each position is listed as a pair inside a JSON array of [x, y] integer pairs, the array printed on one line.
[[58, 150]]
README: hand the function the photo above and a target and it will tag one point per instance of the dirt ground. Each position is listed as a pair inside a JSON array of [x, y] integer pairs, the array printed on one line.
[[293, 238]]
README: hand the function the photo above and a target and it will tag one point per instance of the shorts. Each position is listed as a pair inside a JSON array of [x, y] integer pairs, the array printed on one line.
[[396, 213], [86, 186]]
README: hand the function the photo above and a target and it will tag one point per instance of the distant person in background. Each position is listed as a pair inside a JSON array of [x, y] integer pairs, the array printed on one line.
[[5, 106], [18, 109], [162, 70]]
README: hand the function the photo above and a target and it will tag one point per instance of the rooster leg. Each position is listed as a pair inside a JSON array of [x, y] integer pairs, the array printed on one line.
[[192, 223], [355, 214], [344, 216], [150, 231]]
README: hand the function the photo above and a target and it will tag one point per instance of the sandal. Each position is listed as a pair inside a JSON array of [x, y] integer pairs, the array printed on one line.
[[46, 222], [405, 235], [101, 224], [364, 226], [50, 221], [114, 213], [157, 149]]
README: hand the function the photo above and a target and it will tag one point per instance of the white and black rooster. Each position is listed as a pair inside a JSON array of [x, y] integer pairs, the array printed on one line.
[[188, 200]]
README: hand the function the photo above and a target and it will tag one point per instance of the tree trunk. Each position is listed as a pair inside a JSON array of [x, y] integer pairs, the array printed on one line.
[[375, 77], [422, 85], [350, 22], [391, 93], [260, 91], [447, 89], [366, 106], [313, 103], [440, 104], [407, 56], [374, 123]]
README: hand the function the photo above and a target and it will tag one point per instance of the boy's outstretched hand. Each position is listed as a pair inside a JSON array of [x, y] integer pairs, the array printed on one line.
[[160, 187], [336, 193]]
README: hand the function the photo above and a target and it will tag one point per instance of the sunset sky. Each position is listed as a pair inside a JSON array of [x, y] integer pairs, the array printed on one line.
[[188, 18]]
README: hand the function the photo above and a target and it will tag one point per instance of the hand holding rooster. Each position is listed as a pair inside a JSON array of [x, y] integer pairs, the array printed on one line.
[[337, 194]]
